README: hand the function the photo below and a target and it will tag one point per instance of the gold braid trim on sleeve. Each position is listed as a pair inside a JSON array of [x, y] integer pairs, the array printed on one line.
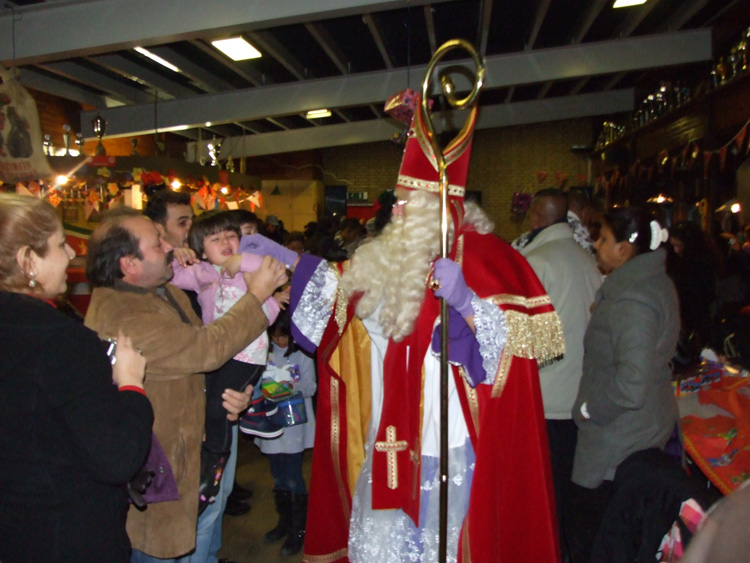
[[537, 337]]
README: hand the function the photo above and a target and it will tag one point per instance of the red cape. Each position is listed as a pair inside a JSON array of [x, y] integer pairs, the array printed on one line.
[[511, 514]]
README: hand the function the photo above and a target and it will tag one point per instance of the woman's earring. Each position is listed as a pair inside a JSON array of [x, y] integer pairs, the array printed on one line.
[[32, 281]]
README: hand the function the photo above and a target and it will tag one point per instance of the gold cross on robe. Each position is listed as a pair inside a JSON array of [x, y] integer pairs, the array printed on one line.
[[391, 446]]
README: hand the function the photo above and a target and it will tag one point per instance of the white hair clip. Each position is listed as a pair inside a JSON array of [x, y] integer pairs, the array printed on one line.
[[633, 237], [658, 235]]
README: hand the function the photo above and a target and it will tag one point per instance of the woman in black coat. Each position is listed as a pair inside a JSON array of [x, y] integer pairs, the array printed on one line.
[[73, 429]]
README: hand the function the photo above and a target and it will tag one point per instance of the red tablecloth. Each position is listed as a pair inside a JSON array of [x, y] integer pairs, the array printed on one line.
[[720, 444]]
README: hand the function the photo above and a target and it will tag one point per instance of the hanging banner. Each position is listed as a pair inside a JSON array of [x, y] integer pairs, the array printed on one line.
[[101, 161], [723, 157], [21, 150], [741, 138]]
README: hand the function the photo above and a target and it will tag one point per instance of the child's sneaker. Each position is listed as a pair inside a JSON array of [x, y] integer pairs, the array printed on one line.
[[263, 405], [258, 424]]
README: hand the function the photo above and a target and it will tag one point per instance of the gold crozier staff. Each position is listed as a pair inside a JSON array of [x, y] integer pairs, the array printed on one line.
[[448, 91]]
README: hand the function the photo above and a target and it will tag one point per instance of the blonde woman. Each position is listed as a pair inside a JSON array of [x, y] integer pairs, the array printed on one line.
[[70, 439]]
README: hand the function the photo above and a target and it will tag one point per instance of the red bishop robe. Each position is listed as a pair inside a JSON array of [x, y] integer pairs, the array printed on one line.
[[511, 515]]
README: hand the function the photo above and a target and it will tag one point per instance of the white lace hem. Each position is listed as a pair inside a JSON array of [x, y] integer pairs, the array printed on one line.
[[390, 535]]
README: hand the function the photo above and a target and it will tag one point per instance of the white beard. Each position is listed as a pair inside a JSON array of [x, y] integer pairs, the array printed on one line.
[[392, 269]]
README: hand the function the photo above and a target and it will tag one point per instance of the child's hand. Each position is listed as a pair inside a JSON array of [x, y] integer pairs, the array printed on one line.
[[184, 256], [232, 266], [264, 281], [282, 297]]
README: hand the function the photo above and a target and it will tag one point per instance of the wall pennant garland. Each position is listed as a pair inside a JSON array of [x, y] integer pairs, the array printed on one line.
[[723, 157], [741, 138]]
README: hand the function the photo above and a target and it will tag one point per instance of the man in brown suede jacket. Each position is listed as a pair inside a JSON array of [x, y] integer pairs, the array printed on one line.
[[129, 264]]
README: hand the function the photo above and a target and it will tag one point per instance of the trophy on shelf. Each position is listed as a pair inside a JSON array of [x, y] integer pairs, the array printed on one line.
[[79, 143], [99, 124], [47, 142], [214, 151], [134, 143], [66, 139]]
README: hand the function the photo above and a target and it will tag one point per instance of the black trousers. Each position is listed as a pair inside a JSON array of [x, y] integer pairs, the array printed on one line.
[[584, 510], [232, 375], [562, 436]]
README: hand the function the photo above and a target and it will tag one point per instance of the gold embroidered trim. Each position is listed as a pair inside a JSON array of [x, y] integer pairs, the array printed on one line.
[[416, 460], [521, 301], [335, 437], [428, 186], [465, 542], [472, 399], [502, 374], [460, 212], [460, 250], [341, 302], [391, 447], [327, 558]]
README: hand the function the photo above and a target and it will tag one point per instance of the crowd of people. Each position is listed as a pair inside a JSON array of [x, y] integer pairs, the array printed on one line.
[[119, 436]]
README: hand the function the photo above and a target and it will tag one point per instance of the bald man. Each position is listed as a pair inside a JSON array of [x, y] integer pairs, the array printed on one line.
[[545, 209], [571, 278]]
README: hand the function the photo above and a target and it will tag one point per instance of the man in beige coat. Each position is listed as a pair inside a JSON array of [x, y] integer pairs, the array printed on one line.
[[129, 265], [571, 278]]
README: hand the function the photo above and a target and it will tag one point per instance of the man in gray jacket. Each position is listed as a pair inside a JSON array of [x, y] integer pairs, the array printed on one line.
[[571, 278]]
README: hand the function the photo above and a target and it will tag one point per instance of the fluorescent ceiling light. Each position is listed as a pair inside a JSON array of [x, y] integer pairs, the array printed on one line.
[[317, 114], [627, 3], [175, 128], [156, 58], [236, 49]]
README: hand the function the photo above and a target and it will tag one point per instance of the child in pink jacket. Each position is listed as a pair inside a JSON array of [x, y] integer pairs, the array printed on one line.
[[214, 240]]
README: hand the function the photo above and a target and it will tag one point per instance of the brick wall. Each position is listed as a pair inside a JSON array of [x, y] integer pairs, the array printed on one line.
[[503, 161]]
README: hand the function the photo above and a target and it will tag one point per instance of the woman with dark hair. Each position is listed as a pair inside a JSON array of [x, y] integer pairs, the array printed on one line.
[[70, 439], [693, 266], [625, 402]]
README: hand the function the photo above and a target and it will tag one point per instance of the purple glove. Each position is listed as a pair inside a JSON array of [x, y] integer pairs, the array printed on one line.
[[262, 246], [453, 286]]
